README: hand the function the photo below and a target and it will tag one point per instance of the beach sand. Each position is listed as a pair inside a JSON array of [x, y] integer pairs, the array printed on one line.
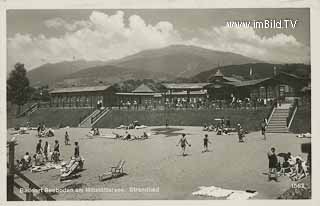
[[157, 163]]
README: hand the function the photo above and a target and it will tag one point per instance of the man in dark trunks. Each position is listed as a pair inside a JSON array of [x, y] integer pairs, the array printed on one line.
[[39, 147], [76, 150], [205, 143], [273, 164]]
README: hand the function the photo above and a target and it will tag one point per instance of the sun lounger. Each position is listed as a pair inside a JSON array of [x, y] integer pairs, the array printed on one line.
[[113, 171]]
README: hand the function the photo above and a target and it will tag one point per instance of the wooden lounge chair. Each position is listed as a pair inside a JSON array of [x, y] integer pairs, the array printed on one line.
[[118, 170], [113, 171]]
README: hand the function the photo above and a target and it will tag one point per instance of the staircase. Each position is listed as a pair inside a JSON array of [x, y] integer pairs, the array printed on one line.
[[86, 123], [278, 120], [29, 110], [93, 118]]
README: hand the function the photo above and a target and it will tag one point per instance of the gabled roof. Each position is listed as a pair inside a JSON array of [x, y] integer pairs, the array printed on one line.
[[248, 82], [292, 75], [80, 89], [218, 73], [143, 89], [231, 79], [198, 86]]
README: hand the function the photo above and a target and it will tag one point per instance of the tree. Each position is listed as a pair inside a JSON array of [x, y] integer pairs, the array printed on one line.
[[18, 89]]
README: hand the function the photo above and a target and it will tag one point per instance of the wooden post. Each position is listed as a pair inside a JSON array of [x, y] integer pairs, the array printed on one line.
[[29, 195], [10, 175]]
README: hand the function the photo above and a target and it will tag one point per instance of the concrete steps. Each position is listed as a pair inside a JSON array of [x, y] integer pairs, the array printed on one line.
[[278, 121]]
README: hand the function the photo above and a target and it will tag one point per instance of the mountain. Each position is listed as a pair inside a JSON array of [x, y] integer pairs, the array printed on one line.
[[108, 74], [168, 63], [181, 61], [49, 73], [259, 70]]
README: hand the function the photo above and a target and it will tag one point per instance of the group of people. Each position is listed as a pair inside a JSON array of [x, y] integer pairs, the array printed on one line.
[[223, 126], [128, 136], [43, 132], [183, 142], [44, 153], [293, 167], [94, 131]]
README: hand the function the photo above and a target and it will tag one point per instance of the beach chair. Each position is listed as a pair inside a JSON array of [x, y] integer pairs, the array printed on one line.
[[117, 170], [113, 171]]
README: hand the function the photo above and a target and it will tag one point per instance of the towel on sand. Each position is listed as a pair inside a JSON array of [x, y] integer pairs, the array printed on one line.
[[218, 192]]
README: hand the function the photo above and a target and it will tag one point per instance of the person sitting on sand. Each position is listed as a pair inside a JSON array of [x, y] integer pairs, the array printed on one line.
[[97, 132], [183, 142], [205, 143], [299, 171], [127, 136], [205, 128], [144, 136], [27, 158]]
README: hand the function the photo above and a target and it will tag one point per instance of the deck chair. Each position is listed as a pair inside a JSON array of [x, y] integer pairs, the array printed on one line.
[[117, 170], [113, 171]]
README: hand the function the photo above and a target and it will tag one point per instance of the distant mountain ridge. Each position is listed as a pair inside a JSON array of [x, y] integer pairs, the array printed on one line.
[[164, 64], [47, 74]]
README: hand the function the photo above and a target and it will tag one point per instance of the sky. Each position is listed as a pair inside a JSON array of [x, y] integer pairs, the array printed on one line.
[[36, 37]]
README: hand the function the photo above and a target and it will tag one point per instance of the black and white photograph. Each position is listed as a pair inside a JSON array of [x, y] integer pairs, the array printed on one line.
[[158, 104]]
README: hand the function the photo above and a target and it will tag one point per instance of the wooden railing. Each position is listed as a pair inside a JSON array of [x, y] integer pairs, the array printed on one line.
[[30, 109], [292, 112]]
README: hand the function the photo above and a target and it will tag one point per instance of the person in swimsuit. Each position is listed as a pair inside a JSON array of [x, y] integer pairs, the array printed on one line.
[[263, 128], [66, 138], [205, 143], [183, 142]]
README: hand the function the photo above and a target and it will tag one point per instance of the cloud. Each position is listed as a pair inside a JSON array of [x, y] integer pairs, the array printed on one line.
[[105, 37], [278, 48], [58, 23]]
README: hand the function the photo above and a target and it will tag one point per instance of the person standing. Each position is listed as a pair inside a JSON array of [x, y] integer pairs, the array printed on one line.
[[183, 142], [205, 143], [263, 128], [273, 164], [66, 138], [76, 150], [45, 150], [39, 147], [56, 151]]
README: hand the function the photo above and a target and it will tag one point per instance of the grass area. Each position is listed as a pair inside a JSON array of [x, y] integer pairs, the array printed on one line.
[[249, 119], [302, 120], [52, 117]]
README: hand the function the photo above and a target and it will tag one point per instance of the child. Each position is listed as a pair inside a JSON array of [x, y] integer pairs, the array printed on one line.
[[183, 142], [205, 143]]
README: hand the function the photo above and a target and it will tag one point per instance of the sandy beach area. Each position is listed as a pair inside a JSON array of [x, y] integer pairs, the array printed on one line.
[[155, 168]]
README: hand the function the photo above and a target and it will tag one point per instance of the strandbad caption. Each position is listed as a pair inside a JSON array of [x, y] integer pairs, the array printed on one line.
[[92, 190]]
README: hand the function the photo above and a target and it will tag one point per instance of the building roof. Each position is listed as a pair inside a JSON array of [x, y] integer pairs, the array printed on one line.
[[198, 86], [231, 79], [80, 89], [218, 73], [185, 93], [292, 75], [248, 82], [139, 94], [143, 89]]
